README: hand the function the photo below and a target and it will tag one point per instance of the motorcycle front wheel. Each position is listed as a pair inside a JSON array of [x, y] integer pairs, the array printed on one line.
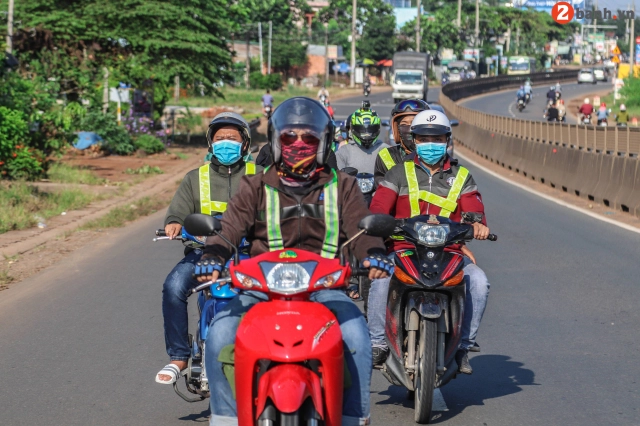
[[426, 373]]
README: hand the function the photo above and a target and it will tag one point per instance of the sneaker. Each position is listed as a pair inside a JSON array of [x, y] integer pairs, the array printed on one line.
[[380, 355], [463, 362], [474, 348]]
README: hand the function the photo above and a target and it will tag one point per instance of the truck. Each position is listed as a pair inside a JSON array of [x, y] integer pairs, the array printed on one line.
[[410, 76], [456, 69]]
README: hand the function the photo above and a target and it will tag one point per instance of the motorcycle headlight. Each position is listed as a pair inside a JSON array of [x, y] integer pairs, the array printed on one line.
[[328, 280], [431, 235], [288, 278], [365, 184]]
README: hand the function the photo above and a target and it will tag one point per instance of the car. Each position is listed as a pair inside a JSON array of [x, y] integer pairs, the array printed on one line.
[[586, 75], [600, 74], [387, 123]]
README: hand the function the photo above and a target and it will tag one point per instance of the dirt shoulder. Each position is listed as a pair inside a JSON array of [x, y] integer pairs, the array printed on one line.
[[24, 251]]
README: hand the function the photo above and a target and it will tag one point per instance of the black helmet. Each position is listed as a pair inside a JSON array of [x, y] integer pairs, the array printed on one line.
[[230, 119], [301, 112], [365, 127], [402, 109]]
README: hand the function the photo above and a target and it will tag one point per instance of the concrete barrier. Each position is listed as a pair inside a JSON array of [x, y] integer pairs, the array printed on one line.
[[596, 163]]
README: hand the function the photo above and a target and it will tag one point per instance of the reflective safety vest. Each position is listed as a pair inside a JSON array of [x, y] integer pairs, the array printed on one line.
[[386, 158], [206, 205], [331, 219], [448, 204]]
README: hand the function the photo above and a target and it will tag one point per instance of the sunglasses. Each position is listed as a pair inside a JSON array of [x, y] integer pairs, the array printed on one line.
[[291, 137], [411, 105]]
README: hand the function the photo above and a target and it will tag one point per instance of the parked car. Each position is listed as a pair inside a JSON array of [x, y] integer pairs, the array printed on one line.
[[601, 74], [586, 75]]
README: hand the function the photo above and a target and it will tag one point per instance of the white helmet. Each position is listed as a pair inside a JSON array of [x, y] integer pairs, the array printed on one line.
[[431, 122], [622, 107], [586, 101]]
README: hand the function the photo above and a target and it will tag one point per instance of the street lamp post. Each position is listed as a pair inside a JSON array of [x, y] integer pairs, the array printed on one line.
[[353, 44]]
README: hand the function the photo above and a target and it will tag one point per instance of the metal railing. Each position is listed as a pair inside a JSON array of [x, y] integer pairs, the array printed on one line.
[[613, 140]]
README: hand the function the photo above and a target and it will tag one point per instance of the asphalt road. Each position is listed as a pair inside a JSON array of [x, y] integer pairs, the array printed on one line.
[[80, 342], [504, 103]]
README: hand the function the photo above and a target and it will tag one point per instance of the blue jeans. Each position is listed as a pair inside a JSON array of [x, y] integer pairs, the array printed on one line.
[[353, 326], [474, 305], [175, 293]]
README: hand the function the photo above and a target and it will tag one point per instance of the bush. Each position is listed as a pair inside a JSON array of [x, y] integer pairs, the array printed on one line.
[[149, 144], [268, 81], [631, 92], [116, 139], [17, 161]]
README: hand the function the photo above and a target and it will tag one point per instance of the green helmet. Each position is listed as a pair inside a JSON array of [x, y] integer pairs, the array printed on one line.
[[365, 127]]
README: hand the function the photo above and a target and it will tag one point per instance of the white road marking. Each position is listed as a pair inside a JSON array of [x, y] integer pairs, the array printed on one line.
[[511, 112], [549, 198], [438, 401]]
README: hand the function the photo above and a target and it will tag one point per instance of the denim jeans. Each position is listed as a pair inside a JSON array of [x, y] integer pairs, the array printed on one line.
[[353, 326], [477, 293], [175, 293]]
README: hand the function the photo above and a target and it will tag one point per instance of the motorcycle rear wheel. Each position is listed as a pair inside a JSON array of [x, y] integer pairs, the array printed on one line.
[[426, 372]]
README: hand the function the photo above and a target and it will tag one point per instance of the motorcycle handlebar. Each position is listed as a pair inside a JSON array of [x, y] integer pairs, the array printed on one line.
[[161, 233], [359, 272], [210, 283]]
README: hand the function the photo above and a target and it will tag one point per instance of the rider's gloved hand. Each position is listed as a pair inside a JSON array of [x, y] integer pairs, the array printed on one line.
[[380, 266], [208, 268]]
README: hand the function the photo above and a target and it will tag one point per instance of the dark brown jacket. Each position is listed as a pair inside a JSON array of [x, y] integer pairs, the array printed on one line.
[[301, 216]]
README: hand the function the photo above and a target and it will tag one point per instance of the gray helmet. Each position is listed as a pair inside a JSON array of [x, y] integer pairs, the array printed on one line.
[[230, 119]]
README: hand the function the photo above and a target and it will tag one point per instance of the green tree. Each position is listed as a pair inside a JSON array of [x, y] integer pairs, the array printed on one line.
[[378, 33]]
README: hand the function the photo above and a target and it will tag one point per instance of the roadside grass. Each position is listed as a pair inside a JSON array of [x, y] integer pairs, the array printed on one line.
[[181, 155], [145, 170], [118, 216], [634, 111], [63, 173], [23, 205], [251, 100]]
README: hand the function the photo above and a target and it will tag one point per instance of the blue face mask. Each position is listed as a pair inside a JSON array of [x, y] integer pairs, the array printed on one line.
[[227, 152], [431, 152]]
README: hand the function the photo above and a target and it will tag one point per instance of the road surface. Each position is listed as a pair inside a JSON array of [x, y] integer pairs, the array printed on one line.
[[82, 341]]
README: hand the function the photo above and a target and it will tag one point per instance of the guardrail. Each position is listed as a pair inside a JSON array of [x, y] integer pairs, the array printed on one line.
[[597, 163]]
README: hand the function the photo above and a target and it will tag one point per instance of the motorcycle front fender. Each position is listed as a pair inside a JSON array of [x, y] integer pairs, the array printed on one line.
[[288, 386], [426, 304]]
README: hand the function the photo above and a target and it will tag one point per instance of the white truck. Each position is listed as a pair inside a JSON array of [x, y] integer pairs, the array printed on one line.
[[409, 79]]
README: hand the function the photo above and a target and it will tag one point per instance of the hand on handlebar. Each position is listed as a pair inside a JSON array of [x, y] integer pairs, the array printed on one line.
[[480, 231], [208, 269], [379, 266], [173, 230]]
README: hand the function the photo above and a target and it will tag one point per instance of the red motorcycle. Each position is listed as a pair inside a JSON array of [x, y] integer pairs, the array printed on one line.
[[289, 359]]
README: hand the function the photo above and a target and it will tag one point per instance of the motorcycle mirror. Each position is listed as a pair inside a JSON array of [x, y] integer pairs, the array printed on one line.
[[201, 224], [351, 171], [378, 225], [384, 123], [454, 123]]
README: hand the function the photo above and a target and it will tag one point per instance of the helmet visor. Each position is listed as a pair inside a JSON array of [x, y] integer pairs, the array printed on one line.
[[414, 105]]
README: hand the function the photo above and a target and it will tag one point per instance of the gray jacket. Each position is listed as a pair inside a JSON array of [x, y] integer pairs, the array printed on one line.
[[354, 155]]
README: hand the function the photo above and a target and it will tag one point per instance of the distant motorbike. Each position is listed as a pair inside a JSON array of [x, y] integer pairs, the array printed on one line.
[[267, 111], [323, 99], [366, 89], [425, 307], [521, 104], [210, 301], [586, 119], [527, 98]]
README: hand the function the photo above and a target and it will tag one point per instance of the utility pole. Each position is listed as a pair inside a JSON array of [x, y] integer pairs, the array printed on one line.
[[10, 28], [260, 44], [353, 44], [326, 53], [477, 37], [626, 27], [418, 16], [176, 88], [459, 13], [247, 61], [517, 39], [105, 91], [632, 43], [508, 40], [270, 36]]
